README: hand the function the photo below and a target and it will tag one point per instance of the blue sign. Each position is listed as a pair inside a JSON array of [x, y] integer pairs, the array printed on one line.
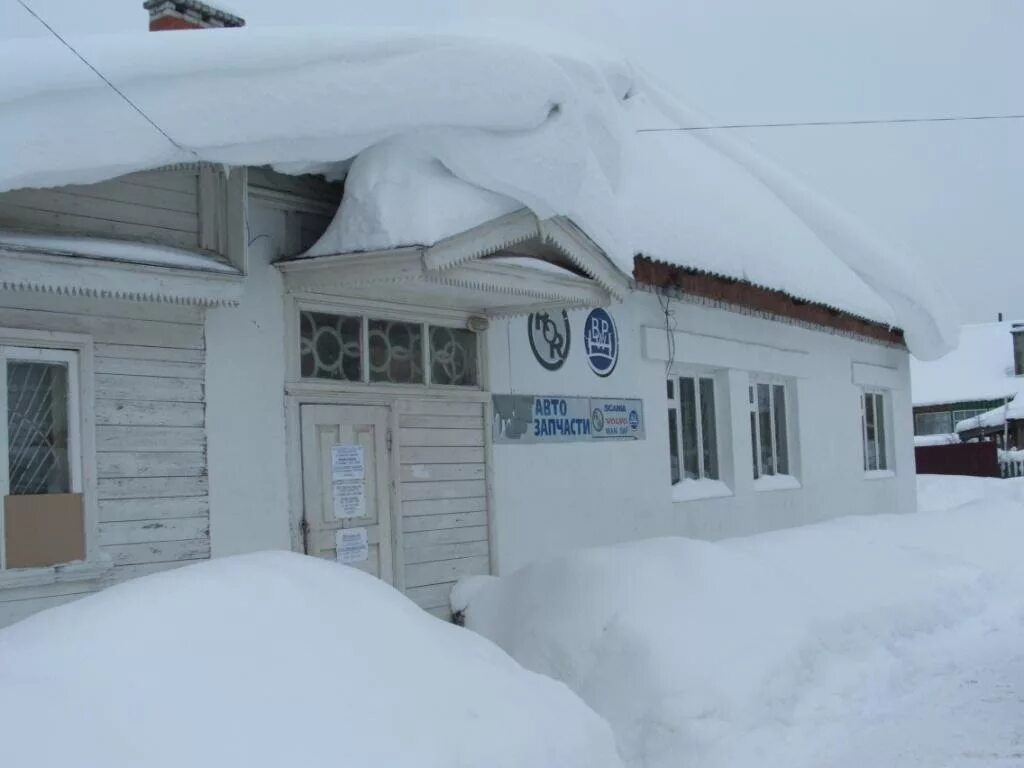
[[601, 342], [556, 419]]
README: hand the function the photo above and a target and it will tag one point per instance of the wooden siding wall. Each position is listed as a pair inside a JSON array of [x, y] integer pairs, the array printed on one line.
[[154, 206], [443, 491], [311, 200], [150, 435]]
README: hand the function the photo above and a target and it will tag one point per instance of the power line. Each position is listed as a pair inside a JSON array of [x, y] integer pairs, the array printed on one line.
[[101, 76], [816, 123]]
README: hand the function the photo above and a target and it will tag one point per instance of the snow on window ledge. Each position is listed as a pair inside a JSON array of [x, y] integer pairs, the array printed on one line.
[[694, 490], [878, 474], [23, 578], [776, 483]]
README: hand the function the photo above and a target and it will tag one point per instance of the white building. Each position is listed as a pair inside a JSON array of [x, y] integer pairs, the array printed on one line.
[[212, 357]]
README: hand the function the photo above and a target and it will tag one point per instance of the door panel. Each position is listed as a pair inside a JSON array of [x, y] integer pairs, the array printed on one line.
[[323, 427]]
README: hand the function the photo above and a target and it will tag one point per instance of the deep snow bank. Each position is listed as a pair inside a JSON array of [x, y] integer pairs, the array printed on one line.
[[441, 132], [698, 653], [275, 660]]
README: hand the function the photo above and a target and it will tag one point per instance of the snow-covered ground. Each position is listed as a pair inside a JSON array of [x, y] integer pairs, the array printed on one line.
[[274, 660], [868, 641]]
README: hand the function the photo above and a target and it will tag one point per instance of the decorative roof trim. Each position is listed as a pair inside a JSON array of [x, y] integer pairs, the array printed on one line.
[[406, 266], [486, 239], [63, 275], [520, 226], [584, 253]]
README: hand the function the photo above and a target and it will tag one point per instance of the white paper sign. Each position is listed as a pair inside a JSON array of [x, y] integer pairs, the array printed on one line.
[[348, 471], [349, 499], [352, 545], [347, 462]]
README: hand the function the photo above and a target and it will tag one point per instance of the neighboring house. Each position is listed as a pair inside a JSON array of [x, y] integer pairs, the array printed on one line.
[[973, 391], [213, 357]]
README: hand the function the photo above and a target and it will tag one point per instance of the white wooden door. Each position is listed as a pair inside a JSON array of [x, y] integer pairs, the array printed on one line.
[[323, 428]]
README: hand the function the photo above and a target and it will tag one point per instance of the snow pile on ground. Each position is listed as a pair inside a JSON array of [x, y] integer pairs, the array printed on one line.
[[805, 647], [275, 660], [441, 132]]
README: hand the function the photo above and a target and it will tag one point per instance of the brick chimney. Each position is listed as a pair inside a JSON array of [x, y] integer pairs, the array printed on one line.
[[187, 14], [1018, 348]]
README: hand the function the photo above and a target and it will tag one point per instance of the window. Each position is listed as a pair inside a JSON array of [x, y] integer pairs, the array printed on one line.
[[934, 423], [364, 350], [396, 352], [692, 429], [43, 520], [769, 429], [874, 431], [331, 346], [453, 357]]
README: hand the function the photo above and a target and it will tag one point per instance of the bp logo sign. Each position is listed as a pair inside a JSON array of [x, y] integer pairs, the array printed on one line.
[[601, 342], [549, 338]]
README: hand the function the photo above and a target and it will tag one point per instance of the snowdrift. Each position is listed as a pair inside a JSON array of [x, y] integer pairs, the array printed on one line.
[[439, 132], [700, 653], [275, 660]]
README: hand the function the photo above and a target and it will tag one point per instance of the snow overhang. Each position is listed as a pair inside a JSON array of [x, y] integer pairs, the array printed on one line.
[[105, 269], [515, 264]]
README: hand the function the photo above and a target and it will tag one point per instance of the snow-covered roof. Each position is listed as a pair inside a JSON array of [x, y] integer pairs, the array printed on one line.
[[980, 368], [1012, 410], [448, 131]]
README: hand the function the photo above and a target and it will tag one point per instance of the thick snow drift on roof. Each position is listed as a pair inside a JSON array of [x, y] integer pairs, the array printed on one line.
[[449, 130], [275, 660], [980, 368], [777, 649]]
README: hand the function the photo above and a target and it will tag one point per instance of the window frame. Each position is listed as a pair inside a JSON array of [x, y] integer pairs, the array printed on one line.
[[757, 469], [950, 424], [82, 392], [675, 404], [878, 397], [365, 312]]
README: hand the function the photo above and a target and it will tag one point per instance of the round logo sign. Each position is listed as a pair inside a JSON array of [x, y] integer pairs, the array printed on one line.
[[549, 338], [601, 342], [597, 420], [634, 420]]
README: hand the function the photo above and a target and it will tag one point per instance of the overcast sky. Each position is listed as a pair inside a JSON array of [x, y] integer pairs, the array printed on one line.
[[953, 192]]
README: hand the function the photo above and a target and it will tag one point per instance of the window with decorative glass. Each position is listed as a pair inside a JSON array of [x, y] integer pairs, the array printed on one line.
[[355, 348], [43, 521], [873, 431], [769, 428], [692, 428]]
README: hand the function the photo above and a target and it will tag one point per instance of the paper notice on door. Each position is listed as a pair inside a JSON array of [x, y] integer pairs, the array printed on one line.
[[349, 499], [347, 462], [352, 546]]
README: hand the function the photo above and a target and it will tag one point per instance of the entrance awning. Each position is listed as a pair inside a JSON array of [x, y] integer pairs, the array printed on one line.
[[515, 264]]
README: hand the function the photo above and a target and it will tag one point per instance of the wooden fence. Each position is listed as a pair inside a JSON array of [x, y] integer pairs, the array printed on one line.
[[975, 459]]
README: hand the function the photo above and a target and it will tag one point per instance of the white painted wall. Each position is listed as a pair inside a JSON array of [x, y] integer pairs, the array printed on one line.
[[245, 403], [548, 498]]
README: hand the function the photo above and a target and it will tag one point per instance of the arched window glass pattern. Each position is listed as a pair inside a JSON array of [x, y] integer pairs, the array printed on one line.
[[453, 356], [396, 352], [330, 346]]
